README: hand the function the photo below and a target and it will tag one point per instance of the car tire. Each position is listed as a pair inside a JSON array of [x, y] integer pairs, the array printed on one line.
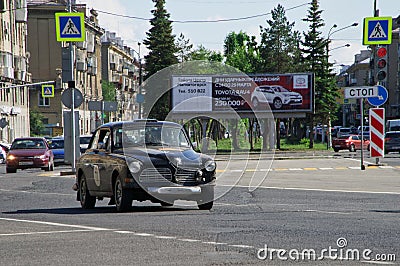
[[256, 103], [336, 150], [206, 206], [10, 170], [352, 148], [277, 103], [87, 201], [123, 199]]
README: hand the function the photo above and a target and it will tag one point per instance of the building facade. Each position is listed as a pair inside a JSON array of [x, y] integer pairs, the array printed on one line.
[[46, 64], [14, 76]]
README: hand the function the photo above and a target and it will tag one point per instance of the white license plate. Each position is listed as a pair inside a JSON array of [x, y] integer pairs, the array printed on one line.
[[25, 163], [337, 146]]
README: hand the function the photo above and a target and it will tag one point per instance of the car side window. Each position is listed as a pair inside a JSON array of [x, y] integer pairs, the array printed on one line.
[[102, 140]]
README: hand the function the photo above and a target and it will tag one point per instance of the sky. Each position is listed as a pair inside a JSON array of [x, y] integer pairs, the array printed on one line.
[[212, 34]]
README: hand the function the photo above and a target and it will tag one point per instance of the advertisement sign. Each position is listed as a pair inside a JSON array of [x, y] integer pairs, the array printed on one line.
[[279, 93]]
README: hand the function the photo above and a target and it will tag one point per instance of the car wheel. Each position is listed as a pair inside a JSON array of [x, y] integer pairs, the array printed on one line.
[[206, 206], [10, 170], [87, 201], [255, 103], [123, 199], [336, 150], [277, 103], [352, 148]]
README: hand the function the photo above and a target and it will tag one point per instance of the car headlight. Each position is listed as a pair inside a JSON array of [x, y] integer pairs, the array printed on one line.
[[134, 166], [40, 157], [210, 166], [10, 157]]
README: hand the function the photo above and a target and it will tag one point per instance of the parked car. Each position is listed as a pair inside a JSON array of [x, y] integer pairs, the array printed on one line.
[[84, 142], [392, 141], [343, 131], [350, 142], [57, 146], [277, 96], [144, 160], [30, 152]]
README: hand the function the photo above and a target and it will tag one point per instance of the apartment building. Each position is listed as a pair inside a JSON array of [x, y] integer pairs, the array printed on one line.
[[14, 76], [46, 63]]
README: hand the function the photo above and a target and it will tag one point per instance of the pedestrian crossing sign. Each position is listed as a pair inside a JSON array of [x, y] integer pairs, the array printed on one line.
[[70, 27], [47, 91], [377, 30]]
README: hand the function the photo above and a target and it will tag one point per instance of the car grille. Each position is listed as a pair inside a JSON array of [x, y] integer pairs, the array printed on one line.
[[155, 175], [185, 175]]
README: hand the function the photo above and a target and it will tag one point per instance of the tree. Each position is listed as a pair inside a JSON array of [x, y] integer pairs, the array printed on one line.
[[108, 90], [279, 51], [202, 53], [241, 51], [36, 122], [184, 48], [279, 44], [316, 61], [162, 49]]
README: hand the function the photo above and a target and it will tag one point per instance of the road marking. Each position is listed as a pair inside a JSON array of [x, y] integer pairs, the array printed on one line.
[[47, 232], [35, 192], [341, 168], [296, 169], [386, 167], [326, 168], [310, 168], [328, 212], [241, 246], [317, 189], [280, 169]]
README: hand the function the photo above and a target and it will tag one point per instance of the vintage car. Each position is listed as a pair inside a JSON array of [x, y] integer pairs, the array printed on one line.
[[30, 152], [144, 160], [350, 142]]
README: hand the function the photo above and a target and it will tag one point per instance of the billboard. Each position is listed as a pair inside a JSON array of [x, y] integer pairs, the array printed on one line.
[[279, 93]]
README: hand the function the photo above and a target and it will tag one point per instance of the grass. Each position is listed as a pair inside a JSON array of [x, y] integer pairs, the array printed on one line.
[[225, 145]]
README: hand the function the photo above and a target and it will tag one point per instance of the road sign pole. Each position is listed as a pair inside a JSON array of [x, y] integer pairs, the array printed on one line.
[[72, 86], [362, 133]]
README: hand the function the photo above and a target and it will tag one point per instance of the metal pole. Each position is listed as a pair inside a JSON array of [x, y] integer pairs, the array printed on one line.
[[71, 50], [362, 133], [140, 82]]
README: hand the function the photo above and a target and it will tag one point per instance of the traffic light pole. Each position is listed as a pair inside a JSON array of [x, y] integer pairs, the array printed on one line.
[[71, 84]]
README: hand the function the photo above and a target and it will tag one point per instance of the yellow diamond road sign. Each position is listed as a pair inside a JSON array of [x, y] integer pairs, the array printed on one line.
[[377, 30], [70, 27], [47, 91]]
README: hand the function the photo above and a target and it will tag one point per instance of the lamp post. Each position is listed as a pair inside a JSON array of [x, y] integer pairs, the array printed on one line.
[[328, 39], [140, 83]]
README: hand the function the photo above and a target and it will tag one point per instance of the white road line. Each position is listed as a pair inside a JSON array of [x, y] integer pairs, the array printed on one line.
[[318, 189], [328, 212], [57, 224], [241, 246], [326, 168], [214, 243], [296, 169], [165, 237], [34, 192], [46, 232], [354, 167], [386, 167], [188, 240]]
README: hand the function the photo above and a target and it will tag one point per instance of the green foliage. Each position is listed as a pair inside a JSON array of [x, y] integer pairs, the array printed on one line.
[[108, 90], [279, 47], [202, 53], [36, 122], [162, 49], [184, 48]]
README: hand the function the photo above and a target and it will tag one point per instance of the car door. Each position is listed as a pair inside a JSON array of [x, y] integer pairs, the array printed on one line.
[[357, 142], [105, 165]]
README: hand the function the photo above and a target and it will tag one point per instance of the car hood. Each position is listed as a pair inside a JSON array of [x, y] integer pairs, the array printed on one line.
[[159, 155], [32, 152], [291, 94]]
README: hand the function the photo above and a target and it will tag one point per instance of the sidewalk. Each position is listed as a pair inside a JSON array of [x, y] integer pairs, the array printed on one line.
[[277, 155]]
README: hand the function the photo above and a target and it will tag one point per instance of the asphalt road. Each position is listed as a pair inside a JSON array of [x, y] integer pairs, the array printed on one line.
[[290, 205]]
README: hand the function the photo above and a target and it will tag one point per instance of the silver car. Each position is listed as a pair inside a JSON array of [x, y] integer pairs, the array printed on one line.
[[275, 95]]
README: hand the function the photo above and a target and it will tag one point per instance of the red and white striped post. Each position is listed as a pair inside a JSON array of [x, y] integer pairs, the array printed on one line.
[[377, 132]]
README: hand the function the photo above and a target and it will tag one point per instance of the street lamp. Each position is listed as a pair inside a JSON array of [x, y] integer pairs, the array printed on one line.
[[328, 39], [342, 46], [140, 83]]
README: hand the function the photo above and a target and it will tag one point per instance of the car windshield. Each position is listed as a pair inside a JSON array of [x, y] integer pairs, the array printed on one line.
[[151, 136], [28, 144], [280, 89], [57, 144], [393, 135]]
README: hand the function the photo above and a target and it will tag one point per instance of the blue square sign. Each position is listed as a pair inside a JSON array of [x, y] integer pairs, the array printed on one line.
[[377, 30], [70, 27]]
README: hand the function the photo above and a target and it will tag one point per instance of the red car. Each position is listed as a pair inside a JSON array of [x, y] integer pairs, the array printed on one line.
[[29, 153], [349, 142]]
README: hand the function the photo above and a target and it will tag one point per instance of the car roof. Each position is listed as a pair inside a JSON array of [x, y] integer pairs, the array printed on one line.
[[29, 138]]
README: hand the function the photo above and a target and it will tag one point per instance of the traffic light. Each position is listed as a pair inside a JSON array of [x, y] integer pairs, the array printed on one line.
[[381, 64]]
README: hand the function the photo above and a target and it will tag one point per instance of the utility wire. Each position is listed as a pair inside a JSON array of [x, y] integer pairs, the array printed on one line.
[[201, 21]]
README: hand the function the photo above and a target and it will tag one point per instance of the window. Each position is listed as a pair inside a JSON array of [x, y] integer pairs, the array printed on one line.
[[43, 101]]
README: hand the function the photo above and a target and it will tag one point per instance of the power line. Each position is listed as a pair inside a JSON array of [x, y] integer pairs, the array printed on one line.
[[201, 21]]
